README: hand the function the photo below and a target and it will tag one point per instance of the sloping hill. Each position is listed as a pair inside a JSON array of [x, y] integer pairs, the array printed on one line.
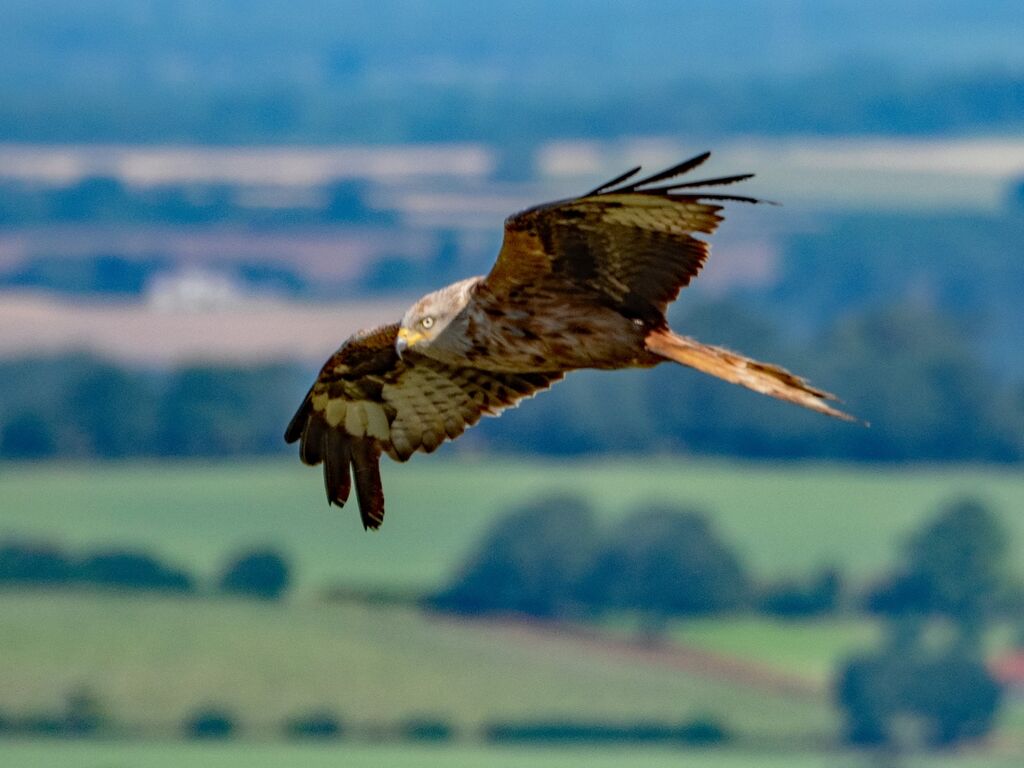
[[151, 662]]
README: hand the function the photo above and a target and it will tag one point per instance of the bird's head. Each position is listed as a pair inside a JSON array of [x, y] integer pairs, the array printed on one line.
[[425, 324]]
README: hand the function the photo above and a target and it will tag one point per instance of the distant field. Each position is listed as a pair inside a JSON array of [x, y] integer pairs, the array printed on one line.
[[785, 519], [251, 332], [87, 755], [809, 649], [152, 661]]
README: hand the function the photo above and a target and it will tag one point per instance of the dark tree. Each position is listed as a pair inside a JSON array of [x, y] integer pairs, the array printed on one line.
[[954, 567], [427, 729], [209, 724], [528, 563], [113, 409], [1016, 196], [663, 562], [961, 556], [27, 435], [215, 410], [132, 570], [315, 725], [346, 201], [793, 599], [263, 574], [954, 573], [957, 695], [901, 595], [83, 714], [951, 695], [204, 412], [864, 693], [34, 564]]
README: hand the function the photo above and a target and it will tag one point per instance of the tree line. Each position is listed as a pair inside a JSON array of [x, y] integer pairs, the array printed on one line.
[[80, 406], [259, 573], [913, 374], [550, 559], [82, 716], [105, 200], [836, 103]]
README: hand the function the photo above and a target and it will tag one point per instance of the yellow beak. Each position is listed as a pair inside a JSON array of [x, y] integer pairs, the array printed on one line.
[[406, 339]]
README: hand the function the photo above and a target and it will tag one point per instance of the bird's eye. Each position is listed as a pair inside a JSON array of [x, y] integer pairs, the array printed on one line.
[[427, 322]]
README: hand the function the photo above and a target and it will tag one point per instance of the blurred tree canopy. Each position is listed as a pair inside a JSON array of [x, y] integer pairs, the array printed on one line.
[[551, 560], [79, 406], [950, 696], [314, 725], [820, 594], [956, 567], [262, 573], [99, 199], [44, 564], [132, 570], [528, 563], [209, 723], [954, 573], [663, 561]]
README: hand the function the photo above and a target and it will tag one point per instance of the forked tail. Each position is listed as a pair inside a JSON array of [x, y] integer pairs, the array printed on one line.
[[765, 378]]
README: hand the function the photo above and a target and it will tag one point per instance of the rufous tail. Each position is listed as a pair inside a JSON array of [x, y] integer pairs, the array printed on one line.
[[765, 378]]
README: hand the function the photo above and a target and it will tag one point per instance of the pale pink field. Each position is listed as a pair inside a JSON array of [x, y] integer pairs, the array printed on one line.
[[139, 333]]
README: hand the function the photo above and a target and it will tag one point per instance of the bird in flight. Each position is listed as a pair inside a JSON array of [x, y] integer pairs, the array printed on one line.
[[578, 283]]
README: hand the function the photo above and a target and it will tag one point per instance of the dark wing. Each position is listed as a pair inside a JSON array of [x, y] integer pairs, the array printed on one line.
[[630, 245], [367, 401]]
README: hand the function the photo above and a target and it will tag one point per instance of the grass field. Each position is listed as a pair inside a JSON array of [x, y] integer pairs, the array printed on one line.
[[79, 755], [151, 662], [785, 519], [808, 649]]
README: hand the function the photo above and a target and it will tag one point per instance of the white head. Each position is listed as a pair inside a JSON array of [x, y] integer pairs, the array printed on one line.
[[435, 325]]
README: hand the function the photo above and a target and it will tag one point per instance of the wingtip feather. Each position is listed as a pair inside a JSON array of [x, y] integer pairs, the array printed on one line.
[[369, 488], [670, 173]]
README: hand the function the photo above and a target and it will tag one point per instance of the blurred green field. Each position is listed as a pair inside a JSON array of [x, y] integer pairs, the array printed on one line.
[[152, 661], [785, 519], [105, 755], [808, 649]]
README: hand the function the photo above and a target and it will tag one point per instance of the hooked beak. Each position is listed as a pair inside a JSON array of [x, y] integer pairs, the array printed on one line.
[[406, 339]]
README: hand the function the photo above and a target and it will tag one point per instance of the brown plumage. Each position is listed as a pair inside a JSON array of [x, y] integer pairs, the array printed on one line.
[[579, 283]]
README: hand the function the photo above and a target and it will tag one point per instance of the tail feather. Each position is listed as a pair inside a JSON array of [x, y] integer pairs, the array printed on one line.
[[765, 378]]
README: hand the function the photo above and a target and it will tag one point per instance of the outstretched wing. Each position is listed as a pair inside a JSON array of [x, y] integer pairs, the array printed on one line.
[[367, 401], [629, 245]]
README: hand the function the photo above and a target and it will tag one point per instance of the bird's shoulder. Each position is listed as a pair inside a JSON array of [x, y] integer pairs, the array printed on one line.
[[369, 352]]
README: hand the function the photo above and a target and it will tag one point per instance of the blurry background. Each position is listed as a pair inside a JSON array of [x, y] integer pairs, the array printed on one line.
[[200, 200]]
